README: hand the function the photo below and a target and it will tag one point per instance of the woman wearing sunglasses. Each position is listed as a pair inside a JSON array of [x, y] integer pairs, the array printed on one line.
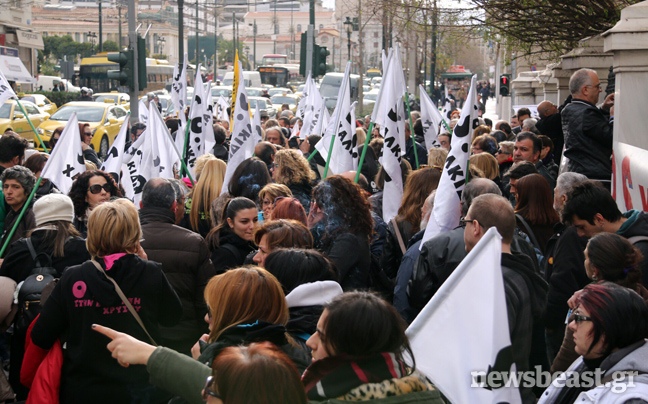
[[609, 326], [608, 258], [87, 134], [91, 189]]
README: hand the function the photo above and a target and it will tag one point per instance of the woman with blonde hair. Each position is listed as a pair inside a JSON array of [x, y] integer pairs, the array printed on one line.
[[294, 171], [246, 305], [437, 157], [89, 293], [269, 194], [206, 190], [487, 163]]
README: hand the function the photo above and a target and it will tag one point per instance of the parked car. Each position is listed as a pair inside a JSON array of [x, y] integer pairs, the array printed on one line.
[[264, 105], [105, 120], [40, 100], [12, 118]]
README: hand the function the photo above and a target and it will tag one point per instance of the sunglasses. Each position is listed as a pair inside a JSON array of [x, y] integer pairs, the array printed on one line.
[[207, 390], [96, 188]]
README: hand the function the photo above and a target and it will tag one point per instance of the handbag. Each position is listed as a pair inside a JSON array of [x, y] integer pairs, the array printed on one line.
[[125, 300]]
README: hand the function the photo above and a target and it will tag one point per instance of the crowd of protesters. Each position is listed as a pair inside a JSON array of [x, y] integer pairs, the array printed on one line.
[[290, 287]]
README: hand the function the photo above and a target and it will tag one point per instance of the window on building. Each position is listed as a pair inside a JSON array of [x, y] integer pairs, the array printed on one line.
[[77, 37], [299, 28], [375, 34], [321, 27]]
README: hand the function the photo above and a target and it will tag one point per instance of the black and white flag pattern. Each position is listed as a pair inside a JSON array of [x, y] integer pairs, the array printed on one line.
[[431, 119], [66, 162], [6, 91]]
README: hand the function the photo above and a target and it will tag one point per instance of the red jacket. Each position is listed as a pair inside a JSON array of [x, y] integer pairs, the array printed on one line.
[[41, 371]]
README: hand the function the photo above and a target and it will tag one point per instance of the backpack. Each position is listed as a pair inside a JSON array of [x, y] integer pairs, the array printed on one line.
[[29, 291]]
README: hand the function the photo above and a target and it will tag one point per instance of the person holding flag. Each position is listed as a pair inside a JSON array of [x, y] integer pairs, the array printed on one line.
[[17, 185]]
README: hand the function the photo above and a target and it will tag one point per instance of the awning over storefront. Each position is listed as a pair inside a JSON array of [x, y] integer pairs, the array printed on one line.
[[14, 70], [30, 39]]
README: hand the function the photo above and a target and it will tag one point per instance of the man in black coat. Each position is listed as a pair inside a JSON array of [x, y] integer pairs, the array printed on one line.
[[524, 288], [588, 129], [184, 256]]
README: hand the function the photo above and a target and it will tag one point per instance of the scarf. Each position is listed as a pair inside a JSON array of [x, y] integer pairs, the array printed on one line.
[[335, 376]]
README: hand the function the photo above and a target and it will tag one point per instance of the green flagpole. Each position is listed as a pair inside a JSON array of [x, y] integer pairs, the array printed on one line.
[[182, 162], [409, 114], [20, 216], [330, 153], [32, 126], [184, 152], [364, 151]]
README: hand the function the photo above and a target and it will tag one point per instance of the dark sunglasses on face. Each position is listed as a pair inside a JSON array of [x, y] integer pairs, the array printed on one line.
[[96, 188], [207, 390]]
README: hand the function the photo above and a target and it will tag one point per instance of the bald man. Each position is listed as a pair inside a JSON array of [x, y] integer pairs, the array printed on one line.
[[550, 125]]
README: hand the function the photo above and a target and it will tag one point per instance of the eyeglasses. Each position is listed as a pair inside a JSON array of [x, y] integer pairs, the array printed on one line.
[[500, 151], [466, 221], [207, 390], [96, 188], [579, 318], [90, 134]]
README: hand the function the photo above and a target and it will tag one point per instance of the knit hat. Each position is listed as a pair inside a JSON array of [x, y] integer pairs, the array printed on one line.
[[53, 207]]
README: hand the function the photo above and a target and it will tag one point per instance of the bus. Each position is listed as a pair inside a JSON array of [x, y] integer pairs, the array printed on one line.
[[274, 75], [93, 74], [272, 59]]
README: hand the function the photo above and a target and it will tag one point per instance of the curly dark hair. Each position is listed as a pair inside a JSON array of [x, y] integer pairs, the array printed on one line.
[[80, 188], [345, 207]]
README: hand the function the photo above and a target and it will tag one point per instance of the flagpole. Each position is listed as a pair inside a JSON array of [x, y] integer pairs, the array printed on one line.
[[364, 151], [184, 166], [32, 126], [186, 144], [20, 216], [409, 114]]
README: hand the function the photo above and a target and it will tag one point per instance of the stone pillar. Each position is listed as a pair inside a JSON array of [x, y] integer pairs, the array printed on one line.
[[561, 77], [524, 88], [589, 54], [549, 86], [628, 42]]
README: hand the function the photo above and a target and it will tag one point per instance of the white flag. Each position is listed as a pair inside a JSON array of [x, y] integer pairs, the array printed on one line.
[[114, 159], [342, 158], [197, 113], [66, 161], [312, 113], [447, 107], [132, 180], [164, 154], [256, 124], [179, 88], [431, 119], [208, 122], [295, 130], [454, 345], [389, 114], [446, 212], [6, 91], [243, 138], [301, 107], [221, 109], [143, 112]]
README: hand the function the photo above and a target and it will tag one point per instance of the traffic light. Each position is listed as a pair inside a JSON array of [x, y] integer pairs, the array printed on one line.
[[125, 73], [319, 60], [505, 85], [141, 63], [302, 54]]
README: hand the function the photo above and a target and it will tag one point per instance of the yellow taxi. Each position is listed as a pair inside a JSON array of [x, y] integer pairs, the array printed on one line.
[[12, 118], [40, 100], [113, 97], [105, 120]]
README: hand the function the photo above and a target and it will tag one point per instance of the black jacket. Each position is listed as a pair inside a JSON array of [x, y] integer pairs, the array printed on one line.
[[392, 253], [567, 275], [18, 264], [302, 192], [184, 256], [27, 223], [526, 294], [352, 257], [420, 150], [258, 331], [231, 252], [439, 257], [84, 296], [221, 151], [91, 155], [637, 225], [551, 127], [46, 187], [588, 139], [549, 173], [370, 167]]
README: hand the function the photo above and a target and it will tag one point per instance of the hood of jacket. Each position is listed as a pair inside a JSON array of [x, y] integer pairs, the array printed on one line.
[[538, 287], [313, 294], [636, 225], [122, 272], [156, 215], [227, 236]]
